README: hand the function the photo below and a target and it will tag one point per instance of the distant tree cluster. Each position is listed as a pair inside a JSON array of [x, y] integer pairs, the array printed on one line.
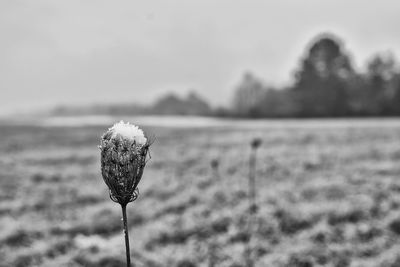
[[172, 104], [325, 85], [168, 104]]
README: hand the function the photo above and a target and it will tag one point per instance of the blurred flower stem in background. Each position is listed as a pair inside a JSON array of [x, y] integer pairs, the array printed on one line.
[[124, 150], [255, 144], [213, 245]]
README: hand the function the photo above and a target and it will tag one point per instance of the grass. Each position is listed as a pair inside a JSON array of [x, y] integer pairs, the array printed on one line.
[[327, 196]]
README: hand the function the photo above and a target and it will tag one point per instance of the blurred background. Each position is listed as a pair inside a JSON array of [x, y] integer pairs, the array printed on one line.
[[317, 82]]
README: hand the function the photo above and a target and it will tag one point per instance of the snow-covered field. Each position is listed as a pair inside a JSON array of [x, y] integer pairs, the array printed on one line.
[[328, 191]]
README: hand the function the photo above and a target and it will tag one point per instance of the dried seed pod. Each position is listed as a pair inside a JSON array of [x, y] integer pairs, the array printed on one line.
[[214, 164], [256, 143], [124, 149]]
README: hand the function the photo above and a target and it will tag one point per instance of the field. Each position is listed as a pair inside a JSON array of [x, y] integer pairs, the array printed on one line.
[[328, 196]]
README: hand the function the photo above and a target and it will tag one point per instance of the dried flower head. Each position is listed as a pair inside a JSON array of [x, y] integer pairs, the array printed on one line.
[[256, 143], [124, 150], [214, 163]]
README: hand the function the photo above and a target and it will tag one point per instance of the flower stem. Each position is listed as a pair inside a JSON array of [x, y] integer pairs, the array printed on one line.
[[252, 183], [124, 218], [252, 207]]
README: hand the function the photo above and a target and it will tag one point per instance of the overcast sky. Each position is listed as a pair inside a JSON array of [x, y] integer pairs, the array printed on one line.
[[77, 51]]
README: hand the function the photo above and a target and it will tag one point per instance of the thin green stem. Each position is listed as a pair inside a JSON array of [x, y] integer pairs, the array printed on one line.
[[124, 218]]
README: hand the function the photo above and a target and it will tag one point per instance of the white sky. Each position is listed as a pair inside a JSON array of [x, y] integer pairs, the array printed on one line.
[[77, 51]]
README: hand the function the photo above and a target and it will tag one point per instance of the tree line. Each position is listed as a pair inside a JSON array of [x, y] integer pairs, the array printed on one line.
[[326, 84]]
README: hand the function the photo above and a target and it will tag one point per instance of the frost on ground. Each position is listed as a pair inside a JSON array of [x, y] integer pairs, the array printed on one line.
[[328, 197]]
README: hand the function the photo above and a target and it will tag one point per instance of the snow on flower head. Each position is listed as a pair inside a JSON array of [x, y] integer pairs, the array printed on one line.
[[128, 131]]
